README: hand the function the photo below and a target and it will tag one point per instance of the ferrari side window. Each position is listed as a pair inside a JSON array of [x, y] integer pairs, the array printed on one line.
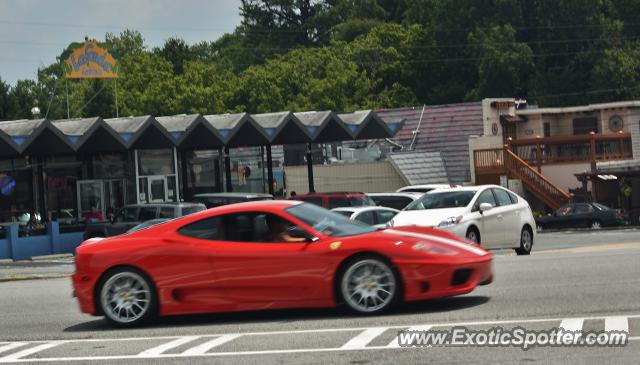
[[205, 229]]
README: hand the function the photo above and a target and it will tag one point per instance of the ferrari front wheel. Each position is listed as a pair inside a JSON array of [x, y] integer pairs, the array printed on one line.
[[127, 297], [369, 285]]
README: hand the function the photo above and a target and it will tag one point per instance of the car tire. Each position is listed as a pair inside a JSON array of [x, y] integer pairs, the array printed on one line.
[[473, 235], [369, 285], [526, 242], [127, 297], [596, 225]]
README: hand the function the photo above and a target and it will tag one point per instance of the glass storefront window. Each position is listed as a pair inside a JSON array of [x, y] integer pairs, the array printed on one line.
[[203, 173], [110, 166], [16, 191], [156, 162], [61, 197]]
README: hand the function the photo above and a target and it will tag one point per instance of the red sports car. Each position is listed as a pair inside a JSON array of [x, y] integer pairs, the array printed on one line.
[[266, 255]]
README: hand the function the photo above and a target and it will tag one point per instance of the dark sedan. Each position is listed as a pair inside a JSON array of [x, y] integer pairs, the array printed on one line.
[[581, 215]]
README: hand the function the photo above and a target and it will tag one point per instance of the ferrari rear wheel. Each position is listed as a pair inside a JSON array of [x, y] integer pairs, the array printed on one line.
[[127, 298], [369, 285]]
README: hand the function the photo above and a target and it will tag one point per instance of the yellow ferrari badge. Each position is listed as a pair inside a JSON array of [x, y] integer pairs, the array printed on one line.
[[335, 245]]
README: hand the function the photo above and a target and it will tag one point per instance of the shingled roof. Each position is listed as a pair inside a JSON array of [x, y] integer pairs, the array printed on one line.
[[420, 167], [445, 129]]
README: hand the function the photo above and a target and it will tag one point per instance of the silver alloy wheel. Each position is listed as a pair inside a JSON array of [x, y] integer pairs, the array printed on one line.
[[368, 285], [596, 225], [526, 240], [125, 297], [472, 236]]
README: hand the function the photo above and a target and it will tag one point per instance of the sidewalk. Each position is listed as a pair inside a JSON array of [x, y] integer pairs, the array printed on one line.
[[45, 267]]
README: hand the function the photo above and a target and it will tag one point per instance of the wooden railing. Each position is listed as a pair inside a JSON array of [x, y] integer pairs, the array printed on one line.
[[489, 161], [537, 183], [573, 149]]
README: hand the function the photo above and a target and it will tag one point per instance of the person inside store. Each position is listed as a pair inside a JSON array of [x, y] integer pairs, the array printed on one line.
[[94, 215]]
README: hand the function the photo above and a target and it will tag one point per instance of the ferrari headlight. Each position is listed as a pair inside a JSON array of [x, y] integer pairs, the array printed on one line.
[[433, 249], [451, 221]]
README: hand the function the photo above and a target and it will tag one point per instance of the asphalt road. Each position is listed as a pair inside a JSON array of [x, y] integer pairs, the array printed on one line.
[[590, 278]]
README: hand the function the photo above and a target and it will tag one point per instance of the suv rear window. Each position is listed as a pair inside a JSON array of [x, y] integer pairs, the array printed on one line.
[[192, 209], [361, 201], [338, 201], [312, 200]]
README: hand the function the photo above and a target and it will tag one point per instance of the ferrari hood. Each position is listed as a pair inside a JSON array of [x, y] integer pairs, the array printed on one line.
[[433, 236]]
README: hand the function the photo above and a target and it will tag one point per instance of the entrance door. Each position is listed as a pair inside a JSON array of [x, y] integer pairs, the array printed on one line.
[[157, 189], [113, 196], [90, 194]]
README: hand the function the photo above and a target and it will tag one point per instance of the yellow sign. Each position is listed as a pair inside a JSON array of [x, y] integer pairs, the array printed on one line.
[[90, 61], [335, 245]]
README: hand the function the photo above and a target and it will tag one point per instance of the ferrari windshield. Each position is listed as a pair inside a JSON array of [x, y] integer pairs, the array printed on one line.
[[449, 199], [327, 222]]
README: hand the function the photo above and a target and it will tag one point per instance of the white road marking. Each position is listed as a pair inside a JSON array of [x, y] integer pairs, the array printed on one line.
[[30, 351], [11, 346], [616, 324], [158, 350], [325, 330], [571, 325], [363, 339], [205, 347], [396, 342]]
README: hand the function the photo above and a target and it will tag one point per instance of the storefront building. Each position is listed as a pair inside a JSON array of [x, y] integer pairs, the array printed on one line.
[[60, 169]]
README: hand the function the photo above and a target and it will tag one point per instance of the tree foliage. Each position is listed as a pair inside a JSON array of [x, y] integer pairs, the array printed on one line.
[[352, 54]]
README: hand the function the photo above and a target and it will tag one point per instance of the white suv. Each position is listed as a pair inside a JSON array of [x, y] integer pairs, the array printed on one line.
[[489, 215]]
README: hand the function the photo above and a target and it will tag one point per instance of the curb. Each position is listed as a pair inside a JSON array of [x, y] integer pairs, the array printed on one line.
[[10, 278]]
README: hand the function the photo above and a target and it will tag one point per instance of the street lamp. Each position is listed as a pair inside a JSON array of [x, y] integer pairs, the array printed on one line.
[[36, 112]]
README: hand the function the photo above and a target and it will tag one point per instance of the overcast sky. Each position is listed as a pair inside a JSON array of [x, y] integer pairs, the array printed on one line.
[[34, 32]]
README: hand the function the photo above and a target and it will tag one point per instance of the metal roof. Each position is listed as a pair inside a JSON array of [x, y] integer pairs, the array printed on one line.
[[420, 167], [194, 131], [444, 128]]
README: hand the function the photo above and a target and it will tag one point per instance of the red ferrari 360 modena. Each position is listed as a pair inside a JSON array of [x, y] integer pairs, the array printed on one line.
[[267, 255]]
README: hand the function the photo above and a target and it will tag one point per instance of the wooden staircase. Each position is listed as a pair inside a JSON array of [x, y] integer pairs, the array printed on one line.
[[537, 183]]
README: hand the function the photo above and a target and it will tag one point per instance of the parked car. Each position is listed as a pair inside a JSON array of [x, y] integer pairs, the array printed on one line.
[[316, 258], [212, 200], [130, 216], [373, 216], [424, 188], [394, 200], [581, 215], [489, 215], [336, 199], [147, 224]]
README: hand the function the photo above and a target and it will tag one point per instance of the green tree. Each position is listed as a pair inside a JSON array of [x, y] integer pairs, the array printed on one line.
[[504, 65], [128, 42], [5, 101]]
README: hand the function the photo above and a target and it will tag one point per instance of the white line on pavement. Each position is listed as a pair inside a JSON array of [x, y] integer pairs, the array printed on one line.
[[616, 324], [326, 330], [363, 339], [158, 350], [396, 341], [24, 353], [212, 354], [11, 346], [572, 324], [203, 348]]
